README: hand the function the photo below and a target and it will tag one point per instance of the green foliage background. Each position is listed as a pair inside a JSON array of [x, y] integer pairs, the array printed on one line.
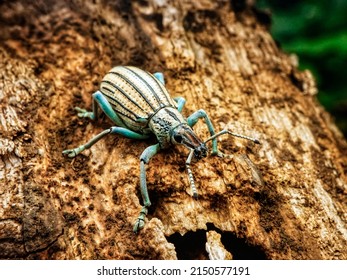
[[317, 32]]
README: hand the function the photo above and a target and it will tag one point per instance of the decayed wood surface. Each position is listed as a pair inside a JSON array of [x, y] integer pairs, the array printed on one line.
[[220, 57]]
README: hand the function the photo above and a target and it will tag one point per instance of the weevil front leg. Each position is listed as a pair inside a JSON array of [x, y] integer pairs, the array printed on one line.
[[112, 130], [193, 119], [190, 175], [147, 154]]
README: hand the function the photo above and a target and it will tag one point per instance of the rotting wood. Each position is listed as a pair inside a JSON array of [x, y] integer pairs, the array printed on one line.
[[220, 57]]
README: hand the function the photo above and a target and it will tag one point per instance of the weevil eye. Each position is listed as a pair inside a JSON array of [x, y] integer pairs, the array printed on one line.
[[178, 138]]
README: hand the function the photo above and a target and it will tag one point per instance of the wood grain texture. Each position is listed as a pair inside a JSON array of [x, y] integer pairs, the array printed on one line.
[[218, 55]]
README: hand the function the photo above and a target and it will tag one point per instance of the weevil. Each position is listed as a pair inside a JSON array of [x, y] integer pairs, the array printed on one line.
[[140, 106]]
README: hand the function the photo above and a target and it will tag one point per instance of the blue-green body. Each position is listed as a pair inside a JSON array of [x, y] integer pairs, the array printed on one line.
[[139, 104]]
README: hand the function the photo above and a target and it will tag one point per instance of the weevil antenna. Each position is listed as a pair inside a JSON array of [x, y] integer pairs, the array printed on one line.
[[224, 131]]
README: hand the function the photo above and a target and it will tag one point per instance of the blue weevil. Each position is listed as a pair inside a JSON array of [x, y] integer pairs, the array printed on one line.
[[139, 104]]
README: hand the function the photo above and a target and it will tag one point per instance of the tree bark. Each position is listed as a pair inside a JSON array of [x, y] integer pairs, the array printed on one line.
[[218, 55]]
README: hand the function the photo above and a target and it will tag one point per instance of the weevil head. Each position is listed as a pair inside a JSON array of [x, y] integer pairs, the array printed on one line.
[[183, 134]]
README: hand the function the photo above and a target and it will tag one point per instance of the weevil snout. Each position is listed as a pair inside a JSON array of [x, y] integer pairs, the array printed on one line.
[[200, 151], [183, 134]]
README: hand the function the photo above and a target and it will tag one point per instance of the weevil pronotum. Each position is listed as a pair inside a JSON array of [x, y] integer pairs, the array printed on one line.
[[139, 104]]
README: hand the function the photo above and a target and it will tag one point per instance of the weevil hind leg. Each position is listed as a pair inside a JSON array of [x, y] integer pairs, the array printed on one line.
[[83, 113], [100, 100], [106, 107], [147, 154]]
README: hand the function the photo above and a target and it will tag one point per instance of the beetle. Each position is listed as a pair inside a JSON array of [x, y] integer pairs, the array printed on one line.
[[140, 106]]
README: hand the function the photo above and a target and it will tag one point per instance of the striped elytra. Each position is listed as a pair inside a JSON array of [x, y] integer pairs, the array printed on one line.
[[135, 95]]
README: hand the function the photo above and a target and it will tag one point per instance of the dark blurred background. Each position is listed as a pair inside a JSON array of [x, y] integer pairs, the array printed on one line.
[[316, 30]]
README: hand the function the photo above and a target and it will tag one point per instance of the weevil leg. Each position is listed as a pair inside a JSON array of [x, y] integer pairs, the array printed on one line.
[[180, 103], [83, 113], [107, 108], [193, 119], [112, 130], [190, 174], [160, 77], [147, 154], [180, 100], [100, 99]]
